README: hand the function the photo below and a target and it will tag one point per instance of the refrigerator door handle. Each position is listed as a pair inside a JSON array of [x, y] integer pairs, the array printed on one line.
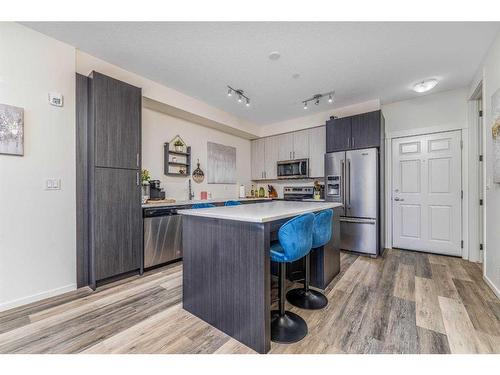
[[348, 188], [358, 221], [342, 173]]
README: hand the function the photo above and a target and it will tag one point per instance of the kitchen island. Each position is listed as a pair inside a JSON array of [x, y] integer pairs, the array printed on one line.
[[226, 264]]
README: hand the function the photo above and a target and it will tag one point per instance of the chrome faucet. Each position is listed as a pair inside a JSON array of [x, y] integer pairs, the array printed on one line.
[[190, 191]]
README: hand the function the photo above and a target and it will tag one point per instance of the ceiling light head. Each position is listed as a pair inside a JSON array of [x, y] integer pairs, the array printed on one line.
[[305, 105], [425, 85], [239, 99], [248, 103], [275, 55], [330, 99], [229, 92]]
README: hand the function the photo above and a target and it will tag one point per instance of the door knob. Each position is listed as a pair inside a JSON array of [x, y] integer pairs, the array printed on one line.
[[398, 199]]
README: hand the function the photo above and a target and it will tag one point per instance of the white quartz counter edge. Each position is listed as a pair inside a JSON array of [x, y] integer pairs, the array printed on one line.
[[185, 203], [260, 212]]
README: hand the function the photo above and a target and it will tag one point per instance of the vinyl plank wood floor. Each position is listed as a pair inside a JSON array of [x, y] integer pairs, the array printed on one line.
[[401, 302]]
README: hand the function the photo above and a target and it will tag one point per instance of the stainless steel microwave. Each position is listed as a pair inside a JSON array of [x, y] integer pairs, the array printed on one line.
[[293, 169]]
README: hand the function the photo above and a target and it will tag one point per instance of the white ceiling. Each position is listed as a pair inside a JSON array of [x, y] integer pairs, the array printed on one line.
[[360, 61]]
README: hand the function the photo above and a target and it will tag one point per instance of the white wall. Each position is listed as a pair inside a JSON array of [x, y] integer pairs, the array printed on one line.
[[317, 119], [37, 227], [158, 128], [491, 83], [446, 109]]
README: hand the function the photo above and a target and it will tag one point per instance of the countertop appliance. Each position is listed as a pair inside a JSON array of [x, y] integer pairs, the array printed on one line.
[[352, 178], [293, 169], [162, 235], [155, 191], [298, 193]]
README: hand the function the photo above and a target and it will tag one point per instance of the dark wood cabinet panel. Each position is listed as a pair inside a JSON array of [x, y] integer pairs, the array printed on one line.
[[117, 224], [365, 130], [338, 134], [117, 122], [82, 178]]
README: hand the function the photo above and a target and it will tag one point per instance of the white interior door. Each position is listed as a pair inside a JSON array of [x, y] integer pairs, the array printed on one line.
[[426, 193]]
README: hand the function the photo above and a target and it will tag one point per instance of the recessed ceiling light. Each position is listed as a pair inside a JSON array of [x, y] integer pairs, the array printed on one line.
[[425, 85], [275, 55]]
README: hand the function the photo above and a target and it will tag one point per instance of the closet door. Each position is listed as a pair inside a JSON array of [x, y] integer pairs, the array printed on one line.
[[116, 114]]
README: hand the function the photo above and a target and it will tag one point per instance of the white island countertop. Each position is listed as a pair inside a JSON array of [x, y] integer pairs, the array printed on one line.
[[260, 212]]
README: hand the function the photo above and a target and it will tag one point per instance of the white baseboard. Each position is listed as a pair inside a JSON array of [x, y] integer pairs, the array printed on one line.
[[36, 297], [492, 286]]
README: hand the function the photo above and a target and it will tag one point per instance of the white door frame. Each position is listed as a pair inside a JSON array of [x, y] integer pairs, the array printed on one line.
[[465, 174]]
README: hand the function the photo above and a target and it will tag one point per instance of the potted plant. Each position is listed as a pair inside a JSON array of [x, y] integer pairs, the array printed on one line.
[[179, 145], [145, 177]]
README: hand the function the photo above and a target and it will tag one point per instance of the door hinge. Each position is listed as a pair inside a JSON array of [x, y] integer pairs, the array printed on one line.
[[461, 194], [480, 113], [462, 244], [480, 202], [480, 157], [480, 246]]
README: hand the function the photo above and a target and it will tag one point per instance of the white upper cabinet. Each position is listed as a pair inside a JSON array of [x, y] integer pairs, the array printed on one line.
[[258, 159], [285, 146], [300, 144], [317, 149], [303, 144], [271, 158]]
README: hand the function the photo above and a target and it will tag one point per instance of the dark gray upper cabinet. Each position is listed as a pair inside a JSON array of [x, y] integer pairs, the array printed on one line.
[[365, 130], [354, 132], [117, 224], [338, 134], [116, 110]]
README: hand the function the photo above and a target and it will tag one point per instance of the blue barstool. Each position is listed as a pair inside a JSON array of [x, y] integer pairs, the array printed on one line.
[[202, 205], [306, 298], [232, 203], [295, 241]]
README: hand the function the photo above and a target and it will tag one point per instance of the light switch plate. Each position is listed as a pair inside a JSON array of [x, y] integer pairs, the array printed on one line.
[[56, 99], [53, 184]]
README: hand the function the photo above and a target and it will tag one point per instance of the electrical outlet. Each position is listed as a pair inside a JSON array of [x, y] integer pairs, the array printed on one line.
[[53, 184]]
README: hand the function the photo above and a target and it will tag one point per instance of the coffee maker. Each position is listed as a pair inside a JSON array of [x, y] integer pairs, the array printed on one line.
[[155, 191]]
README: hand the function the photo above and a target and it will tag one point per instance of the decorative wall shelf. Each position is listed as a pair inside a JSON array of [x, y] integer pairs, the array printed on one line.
[[173, 168]]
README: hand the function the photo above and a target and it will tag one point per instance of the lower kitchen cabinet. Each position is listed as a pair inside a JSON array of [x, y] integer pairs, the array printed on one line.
[[117, 224]]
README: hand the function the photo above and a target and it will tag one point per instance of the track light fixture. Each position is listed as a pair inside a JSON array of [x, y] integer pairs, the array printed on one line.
[[316, 98], [240, 93]]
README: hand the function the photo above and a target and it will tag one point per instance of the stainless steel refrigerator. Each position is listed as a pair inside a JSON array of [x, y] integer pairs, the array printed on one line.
[[353, 179]]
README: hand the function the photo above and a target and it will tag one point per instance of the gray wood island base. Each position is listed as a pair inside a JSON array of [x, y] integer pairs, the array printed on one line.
[[226, 265]]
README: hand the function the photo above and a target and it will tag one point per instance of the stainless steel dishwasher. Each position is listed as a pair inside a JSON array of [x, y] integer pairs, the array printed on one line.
[[162, 235]]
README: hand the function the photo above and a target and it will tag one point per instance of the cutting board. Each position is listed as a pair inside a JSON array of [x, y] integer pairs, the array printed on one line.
[[160, 201]]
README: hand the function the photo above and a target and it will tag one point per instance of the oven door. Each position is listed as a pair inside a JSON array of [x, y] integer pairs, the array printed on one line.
[[293, 169]]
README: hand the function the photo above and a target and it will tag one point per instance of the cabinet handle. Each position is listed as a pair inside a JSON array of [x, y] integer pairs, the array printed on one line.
[[353, 142], [137, 159], [137, 180], [348, 142]]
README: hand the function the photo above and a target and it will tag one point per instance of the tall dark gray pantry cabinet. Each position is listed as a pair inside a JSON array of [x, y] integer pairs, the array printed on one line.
[[108, 164]]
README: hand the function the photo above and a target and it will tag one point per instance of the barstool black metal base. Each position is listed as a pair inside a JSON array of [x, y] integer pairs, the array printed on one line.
[[307, 299], [287, 328]]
